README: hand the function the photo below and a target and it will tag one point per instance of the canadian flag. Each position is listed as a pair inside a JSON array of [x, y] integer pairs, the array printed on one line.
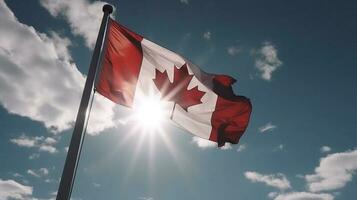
[[202, 103]]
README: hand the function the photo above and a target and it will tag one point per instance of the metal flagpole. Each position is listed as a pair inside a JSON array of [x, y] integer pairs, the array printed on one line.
[[70, 167]]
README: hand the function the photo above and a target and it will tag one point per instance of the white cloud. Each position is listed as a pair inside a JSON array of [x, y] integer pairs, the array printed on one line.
[[280, 147], [233, 50], [41, 143], [241, 147], [50, 140], [10, 189], [325, 149], [203, 143], [267, 61], [300, 176], [274, 180], [334, 171], [207, 35], [97, 185], [185, 2], [33, 173], [53, 83], [38, 173], [47, 148], [207, 144], [17, 175], [44, 171], [48, 180], [83, 17], [34, 156], [24, 141], [303, 196], [272, 195], [267, 127], [226, 146], [145, 198]]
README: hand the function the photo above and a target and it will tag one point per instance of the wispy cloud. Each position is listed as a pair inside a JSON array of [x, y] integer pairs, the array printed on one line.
[[267, 60], [280, 147], [185, 2], [278, 181], [20, 177], [272, 195], [325, 149], [17, 175], [48, 148], [54, 193], [24, 141], [39, 172], [50, 140], [207, 35], [34, 156], [267, 127], [241, 147], [97, 185], [145, 198], [39, 142], [334, 172], [10, 189], [303, 196], [234, 50]]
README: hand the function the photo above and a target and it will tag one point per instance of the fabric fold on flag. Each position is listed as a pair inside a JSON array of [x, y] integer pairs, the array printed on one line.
[[202, 103]]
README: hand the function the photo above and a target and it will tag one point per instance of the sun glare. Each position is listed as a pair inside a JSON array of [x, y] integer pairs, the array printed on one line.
[[148, 127], [149, 113]]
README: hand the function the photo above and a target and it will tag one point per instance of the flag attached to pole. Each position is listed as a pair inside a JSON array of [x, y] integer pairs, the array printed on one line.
[[203, 104]]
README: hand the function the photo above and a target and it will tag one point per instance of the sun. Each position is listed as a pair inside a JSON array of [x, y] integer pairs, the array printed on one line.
[[149, 112]]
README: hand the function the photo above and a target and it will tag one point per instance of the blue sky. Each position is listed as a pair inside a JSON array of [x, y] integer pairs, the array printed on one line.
[[295, 61]]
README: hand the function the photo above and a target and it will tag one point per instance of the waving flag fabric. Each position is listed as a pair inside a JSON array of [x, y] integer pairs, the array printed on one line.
[[202, 103]]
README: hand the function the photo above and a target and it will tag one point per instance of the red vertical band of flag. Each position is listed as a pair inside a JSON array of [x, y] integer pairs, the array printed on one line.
[[121, 65], [232, 112]]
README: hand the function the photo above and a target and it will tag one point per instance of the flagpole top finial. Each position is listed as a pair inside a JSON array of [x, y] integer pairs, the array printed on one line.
[[108, 8]]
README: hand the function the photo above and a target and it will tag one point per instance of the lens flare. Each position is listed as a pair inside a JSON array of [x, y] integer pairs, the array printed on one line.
[[149, 113]]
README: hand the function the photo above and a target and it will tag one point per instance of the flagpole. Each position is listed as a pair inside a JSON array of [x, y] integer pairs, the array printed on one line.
[[70, 167]]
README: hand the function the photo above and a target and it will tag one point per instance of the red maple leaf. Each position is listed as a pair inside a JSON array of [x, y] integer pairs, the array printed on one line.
[[177, 90]]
